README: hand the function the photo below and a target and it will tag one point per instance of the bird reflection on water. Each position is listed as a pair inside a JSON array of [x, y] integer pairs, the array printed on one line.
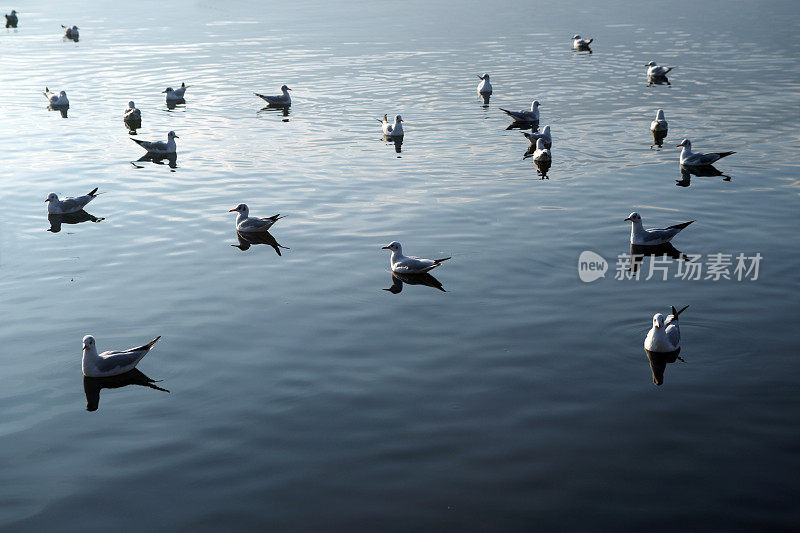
[[640, 251], [251, 238], [703, 171], [170, 160], [93, 386], [659, 362], [413, 279], [70, 218]]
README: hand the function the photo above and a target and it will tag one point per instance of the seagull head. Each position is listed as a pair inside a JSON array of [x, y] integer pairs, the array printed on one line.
[[284, 88], [546, 130], [658, 320], [167, 90], [13, 11], [74, 27], [131, 105], [172, 135], [660, 114], [686, 143], [634, 217], [88, 342], [398, 118], [394, 246], [484, 77], [241, 208], [52, 197], [62, 94], [540, 144], [651, 64], [535, 105], [576, 36]]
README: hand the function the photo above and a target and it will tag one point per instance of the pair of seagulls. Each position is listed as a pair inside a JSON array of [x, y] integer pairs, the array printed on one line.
[[665, 335], [56, 100]]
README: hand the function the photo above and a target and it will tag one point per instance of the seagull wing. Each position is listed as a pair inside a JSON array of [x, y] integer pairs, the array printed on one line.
[[122, 361]]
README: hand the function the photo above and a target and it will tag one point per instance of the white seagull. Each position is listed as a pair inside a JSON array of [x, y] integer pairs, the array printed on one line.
[[111, 363], [392, 130], [246, 223], [410, 265], [131, 113], [12, 20], [660, 123], [691, 159], [545, 136], [282, 99], [68, 205], [542, 153], [653, 236], [160, 147], [56, 100], [175, 94], [525, 115], [484, 87], [665, 335], [580, 44], [71, 33], [654, 71]]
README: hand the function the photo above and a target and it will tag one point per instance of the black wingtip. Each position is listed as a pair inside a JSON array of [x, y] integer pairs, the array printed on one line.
[[679, 312], [93, 191]]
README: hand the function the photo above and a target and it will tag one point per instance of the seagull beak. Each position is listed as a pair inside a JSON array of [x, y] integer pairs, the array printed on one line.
[[385, 248], [288, 89], [175, 137], [232, 211], [628, 220]]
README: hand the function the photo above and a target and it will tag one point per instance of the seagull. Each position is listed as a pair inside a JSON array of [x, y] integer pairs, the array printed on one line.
[[280, 100], [654, 71], [71, 33], [665, 335], [410, 265], [131, 113], [111, 363], [176, 94], [68, 205], [545, 136], [392, 130], [653, 236], [542, 153], [246, 223], [59, 100], [159, 147], [660, 123], [690, 159], [12, 20], [525, 115], [580, 44], [484, 87]]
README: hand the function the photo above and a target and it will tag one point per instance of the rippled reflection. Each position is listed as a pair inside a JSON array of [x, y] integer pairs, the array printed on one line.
[[657, 80], [281, 110], [640, 251], [93, 386], [251, 238], [413, 279], [170, 160], [133, 124], [172, 104], [485, 97], [705, 171], [70, 218], [659, 362], [658, 138], [520, 125], [61, 109], [542, 166]]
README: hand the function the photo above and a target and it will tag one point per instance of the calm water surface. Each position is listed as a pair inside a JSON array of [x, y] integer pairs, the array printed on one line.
[[302, 395]]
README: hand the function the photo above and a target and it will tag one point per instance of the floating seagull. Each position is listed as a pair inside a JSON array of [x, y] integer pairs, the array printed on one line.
[[545, 136], [68, 205], [580, 44], [245, 223], [654, 71], [12, 20], [392, 130], [59, 100], [652, 237], [542, 153], [71, 33], [665, 335], [484, 87], [111, 363], [660, 123], [176, 94], [280, 100], [525, 115], [410, 265], [131, 113], [688, 158], [160, 147]]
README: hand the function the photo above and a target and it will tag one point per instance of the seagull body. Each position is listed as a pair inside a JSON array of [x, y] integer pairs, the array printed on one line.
[[392, 130], [175, 94], [655, 71], [280, 100], [71, 33], [68, 205], [542, 153], [11, 19], [410, 265], [580, 44], [131, 113], [660, 123], [160, 147], [525, 115], [56, 100], [246, 223], [665, 335], [545, 136], [484, 87], [653, 236], [691, 159], [112, 363]]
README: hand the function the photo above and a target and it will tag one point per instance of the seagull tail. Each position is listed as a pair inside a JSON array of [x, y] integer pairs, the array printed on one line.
[[139, 142], [507, 112], [590, 41], [262, 97], [151, 343], [668, 70], [63, 26], [93, 191], [681, 225], [676, 313], [724, 154], [439, 261]]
